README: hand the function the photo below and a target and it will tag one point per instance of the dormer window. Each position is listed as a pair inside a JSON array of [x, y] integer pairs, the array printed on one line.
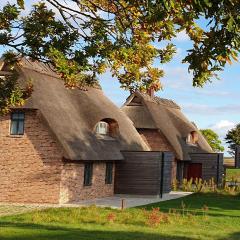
[[107, 129], [102, 128], [192, 138]]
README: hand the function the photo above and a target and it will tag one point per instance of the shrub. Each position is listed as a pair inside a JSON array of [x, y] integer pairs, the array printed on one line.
[[111, 217], [155, 217], [175, 185], [198, 185]]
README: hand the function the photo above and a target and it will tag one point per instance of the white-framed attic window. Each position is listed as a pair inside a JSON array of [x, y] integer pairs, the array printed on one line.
[[102, 128]]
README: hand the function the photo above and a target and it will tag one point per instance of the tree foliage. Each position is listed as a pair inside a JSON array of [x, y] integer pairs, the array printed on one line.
[[128, 37], [213, 140], [233, 139]]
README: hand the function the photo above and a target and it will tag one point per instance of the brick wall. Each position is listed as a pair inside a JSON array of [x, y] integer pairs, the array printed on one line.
[[30, 165], [158, 142], [72, 188], [155, 139]]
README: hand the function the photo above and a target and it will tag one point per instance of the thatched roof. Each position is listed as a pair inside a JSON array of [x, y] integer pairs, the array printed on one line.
[[72, 114], [165, 115]]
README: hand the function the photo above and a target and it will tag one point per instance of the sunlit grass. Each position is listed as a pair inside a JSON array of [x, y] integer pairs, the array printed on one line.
[[198, 216], [233, 174]]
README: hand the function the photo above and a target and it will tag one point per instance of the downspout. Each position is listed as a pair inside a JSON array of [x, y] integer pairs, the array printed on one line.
[[162, 174]]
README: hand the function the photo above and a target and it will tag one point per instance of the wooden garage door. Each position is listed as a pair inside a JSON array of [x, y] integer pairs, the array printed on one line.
[[194, 171]]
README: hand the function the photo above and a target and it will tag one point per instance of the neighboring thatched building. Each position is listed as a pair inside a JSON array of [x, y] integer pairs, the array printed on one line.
[[65, 145], [163, 127]]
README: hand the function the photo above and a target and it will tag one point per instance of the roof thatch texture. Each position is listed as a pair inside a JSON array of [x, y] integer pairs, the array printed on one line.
[[165, 115], [72, 114]]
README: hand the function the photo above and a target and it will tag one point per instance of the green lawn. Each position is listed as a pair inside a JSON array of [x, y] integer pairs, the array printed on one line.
[[219, 221], [233, 174]]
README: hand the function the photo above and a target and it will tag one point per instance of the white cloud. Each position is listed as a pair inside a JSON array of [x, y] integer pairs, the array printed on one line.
[[223, 124], [182, 37], [177, 78]]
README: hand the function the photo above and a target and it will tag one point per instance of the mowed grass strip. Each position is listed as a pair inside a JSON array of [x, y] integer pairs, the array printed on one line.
[[199, 216], [233, 174]]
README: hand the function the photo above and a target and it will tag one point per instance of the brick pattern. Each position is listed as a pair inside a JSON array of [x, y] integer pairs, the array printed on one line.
[[30, 165], [158, 142], [155, 140], [32, 171], [72, 188]]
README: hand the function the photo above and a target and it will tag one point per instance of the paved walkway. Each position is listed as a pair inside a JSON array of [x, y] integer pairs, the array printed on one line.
[[113, 202], [129, 200], [13, 209]]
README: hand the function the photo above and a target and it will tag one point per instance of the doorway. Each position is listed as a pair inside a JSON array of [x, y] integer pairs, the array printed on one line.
[[194, 170]]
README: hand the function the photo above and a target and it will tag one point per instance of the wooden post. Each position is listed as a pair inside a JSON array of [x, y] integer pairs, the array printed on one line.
[[123, 203]]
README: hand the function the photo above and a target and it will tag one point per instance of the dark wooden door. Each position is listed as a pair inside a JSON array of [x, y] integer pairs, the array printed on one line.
[[194, 171]]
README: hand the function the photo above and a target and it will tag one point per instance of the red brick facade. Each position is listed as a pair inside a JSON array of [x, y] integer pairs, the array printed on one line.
[[72, 188], [155, 140], [32, 171], [158, 142]]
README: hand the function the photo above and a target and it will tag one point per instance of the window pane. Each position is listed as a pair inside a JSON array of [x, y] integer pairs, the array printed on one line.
[[21, 116], [88, 167], [20, 127], [14, 116], [109, 173], [17, 123], [17, 115], [102, 128], [13, 130]]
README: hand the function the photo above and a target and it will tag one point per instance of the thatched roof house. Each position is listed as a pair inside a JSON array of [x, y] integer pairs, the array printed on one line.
[[148, 112], [163, 127], [72, 115]]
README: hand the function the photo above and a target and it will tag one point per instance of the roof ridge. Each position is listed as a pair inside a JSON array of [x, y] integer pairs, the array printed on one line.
[[48, 70], [161, 101], [42, 68]]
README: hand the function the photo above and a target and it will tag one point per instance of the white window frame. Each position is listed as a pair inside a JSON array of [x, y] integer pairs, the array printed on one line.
[[102, 128], [189, 139]]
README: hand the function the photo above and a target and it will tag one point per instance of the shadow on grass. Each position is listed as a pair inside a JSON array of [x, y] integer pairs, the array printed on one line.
[[20, 231], [233, 236], [219, 204], [28, 231]]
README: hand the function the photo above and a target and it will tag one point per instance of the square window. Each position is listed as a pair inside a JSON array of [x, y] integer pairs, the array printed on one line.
[[88, 172], [17, 123]]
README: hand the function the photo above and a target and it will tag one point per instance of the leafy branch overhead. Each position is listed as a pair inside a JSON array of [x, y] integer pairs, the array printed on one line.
[[84, 38]]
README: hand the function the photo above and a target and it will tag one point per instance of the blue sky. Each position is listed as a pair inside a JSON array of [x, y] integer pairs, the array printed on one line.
[[214, 106]]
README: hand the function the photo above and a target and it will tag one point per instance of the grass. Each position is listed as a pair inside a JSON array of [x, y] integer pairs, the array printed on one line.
[[218, 220], [233, 174]]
